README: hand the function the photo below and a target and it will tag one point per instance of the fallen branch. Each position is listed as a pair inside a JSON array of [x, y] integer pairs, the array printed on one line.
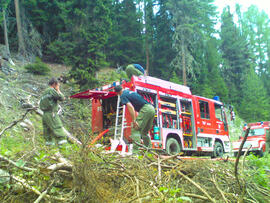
[[138, 189], [34, 190], [17, 121], [42, 195], [2, 158], [197, 186], [220, 191], [60, 166], [195, 196], [244, 157], [63, 165], [140, 197], [238, 157], [159, 170]]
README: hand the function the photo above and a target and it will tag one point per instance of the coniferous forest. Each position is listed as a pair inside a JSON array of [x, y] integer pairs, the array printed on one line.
[[184, 41]]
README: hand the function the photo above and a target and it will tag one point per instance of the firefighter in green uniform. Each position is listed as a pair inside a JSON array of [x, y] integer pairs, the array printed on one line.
[[53, 129], [134, 69], [144, 121]]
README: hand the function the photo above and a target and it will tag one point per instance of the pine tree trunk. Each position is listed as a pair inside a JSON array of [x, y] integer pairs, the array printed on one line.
[[183, 61], [147, 57], [19, 29], [6, 33], [146, 40]]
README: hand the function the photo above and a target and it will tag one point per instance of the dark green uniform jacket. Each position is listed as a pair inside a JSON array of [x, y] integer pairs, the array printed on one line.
[[52, 124]]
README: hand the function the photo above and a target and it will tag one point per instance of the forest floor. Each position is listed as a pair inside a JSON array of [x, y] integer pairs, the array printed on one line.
[[30, 171]]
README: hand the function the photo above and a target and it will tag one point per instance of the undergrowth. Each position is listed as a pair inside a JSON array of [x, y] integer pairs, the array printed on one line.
[[38, 68], [260, 167]]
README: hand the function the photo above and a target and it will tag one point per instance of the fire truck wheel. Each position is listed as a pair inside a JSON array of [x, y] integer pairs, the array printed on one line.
[[172, 146], [235, 154], [260, 153], [218, 150]]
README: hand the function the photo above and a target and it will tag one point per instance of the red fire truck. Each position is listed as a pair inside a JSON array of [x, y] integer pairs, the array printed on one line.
[[183, 122], [256, 138]]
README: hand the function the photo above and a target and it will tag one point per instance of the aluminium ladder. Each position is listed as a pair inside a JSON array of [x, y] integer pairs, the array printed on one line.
[[120, 125]]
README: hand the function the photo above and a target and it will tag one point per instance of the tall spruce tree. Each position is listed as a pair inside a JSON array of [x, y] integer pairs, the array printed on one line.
[[255, 26], [3, 7], [45, 15], [255, 105], [163, 52], [210, 81], [125, 43], [192, 21], [236, 57], [149, 33], [87, 25]]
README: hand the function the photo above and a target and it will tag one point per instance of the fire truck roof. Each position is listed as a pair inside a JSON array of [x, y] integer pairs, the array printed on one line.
[[213, 100], [162, 83]]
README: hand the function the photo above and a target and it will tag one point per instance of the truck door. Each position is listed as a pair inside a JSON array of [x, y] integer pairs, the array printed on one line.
[[97, 116], [221, 121], [205, 121], [187, 123]]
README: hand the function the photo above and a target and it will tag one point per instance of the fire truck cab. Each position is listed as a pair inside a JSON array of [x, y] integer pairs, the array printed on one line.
[[183, 122], [255, 140]]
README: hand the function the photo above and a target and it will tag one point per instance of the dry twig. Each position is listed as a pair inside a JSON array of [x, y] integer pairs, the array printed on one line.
[[17, 121], [29, 187], [238, 157], [2, 158], [196, 185]]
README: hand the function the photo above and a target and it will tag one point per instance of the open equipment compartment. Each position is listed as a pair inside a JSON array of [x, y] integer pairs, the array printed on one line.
[[169, 112], [187, 123], [151, 98]]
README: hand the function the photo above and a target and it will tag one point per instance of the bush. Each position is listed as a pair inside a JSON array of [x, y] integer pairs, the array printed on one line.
[[261, 166], [38, 68]]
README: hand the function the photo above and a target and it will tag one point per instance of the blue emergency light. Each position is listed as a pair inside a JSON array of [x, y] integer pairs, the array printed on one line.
[[216, 98]]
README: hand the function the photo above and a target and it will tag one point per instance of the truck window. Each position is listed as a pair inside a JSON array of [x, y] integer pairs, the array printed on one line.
[[204, 109], [256, 132], [218, 111]]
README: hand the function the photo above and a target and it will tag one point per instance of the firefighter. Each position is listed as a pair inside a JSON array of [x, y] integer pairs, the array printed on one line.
[[135, 69], [144, 121], [53, 129]]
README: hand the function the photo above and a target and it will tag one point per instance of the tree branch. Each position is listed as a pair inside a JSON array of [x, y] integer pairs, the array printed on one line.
[[2, 158], [238, 157], [17, 121], [197, 186]]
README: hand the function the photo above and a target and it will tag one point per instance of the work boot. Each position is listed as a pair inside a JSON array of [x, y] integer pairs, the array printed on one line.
[[62, 142], [49, 143]]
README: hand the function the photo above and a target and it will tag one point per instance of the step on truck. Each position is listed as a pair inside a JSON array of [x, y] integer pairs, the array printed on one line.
[[256, 138], [183, 122]]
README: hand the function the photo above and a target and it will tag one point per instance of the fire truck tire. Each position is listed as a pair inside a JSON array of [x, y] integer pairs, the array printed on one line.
[[235, 154], [173, 146], [260, 153], [218, 150]]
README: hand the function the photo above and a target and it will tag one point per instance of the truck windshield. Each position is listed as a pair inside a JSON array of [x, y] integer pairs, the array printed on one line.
[[256, 132]]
